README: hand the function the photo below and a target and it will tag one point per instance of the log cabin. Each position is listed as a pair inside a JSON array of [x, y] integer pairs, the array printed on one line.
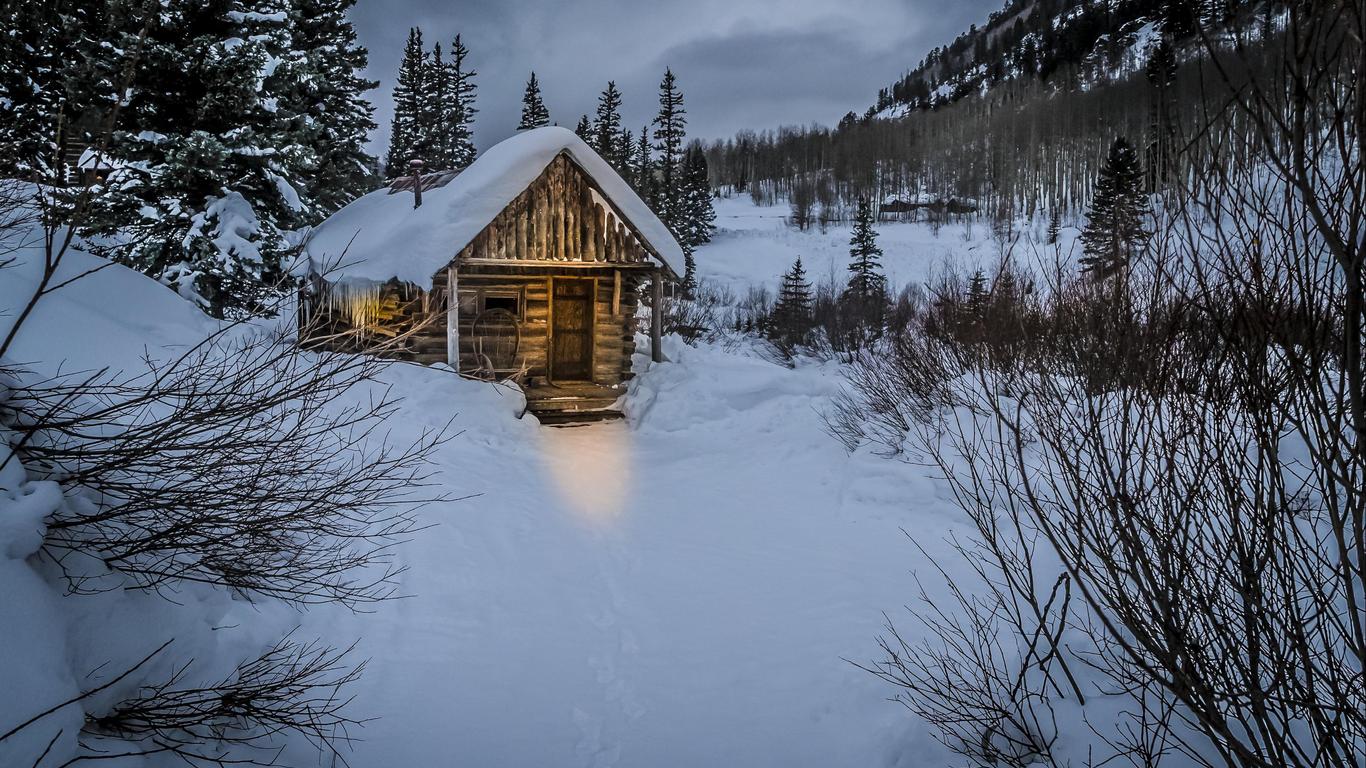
[[528, 265]]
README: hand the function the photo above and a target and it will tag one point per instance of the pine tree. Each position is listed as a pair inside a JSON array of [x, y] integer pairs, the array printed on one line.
[[867, 285], [1054, 226], [534, 113], [1114, 228], [792, 312], [41, 44], [670, 129], [643, 167], [433, 105], [584, 130], [689, 285], [459, 118], [405, 131], [607, 132], [977, 296], [699, 218], [329, 86], [242, 120]]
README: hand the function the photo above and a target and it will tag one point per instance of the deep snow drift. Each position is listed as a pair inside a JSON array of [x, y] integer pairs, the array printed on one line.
[[678, 590]]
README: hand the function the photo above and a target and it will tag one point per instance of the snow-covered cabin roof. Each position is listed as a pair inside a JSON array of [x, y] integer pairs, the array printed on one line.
[[381, 235]]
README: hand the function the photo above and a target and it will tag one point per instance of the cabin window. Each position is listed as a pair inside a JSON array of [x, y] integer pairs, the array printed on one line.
[[478, 301], [510, 303]]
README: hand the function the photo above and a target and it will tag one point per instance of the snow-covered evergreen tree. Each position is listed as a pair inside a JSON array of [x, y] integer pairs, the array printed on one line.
[[208, 176], [669, 133], [642, 166], [326, 82], [607, 132], [433, 106], [405, 130], [584, 130], [534, 113], [39, 44], [867, 285], [1114, 227], [458, 119]]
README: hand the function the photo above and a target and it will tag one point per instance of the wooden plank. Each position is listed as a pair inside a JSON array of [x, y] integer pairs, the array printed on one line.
[[452, 319], [616, 292], [549, 328], [657, 318]]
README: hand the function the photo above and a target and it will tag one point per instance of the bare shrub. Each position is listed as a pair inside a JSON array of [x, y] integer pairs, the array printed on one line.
[[244, 462], [292, 688], [705, 316], [1191, 454]]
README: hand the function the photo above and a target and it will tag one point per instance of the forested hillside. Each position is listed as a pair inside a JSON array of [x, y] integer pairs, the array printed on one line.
[[1015, 116]]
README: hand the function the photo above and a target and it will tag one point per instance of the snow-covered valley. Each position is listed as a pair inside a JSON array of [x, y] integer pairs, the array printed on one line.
[[687, 587]]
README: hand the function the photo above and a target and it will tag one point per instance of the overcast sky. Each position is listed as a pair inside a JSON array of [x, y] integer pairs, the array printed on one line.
[[740, 63]]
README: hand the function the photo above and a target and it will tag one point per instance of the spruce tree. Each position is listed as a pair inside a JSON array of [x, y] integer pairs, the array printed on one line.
[[534, 113], [978, 293], [241, 121], [792, 312], [607, 127], [1114, 227], [670, 130], [41, 44], [329, 84], [433, 106], [626, 154], [210, 175], [867, 285], [643, 167], [1054, 226], [699, 218], [409, 90], [584, 130], [459, 118]]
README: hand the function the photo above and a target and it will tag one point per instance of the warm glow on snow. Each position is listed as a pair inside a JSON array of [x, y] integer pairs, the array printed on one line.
[[590, 468]]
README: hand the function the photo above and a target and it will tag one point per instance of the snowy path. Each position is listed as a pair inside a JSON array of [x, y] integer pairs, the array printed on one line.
[[678, 591]]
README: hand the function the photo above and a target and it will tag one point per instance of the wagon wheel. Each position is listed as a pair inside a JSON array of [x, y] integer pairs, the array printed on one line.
[[497, 338]]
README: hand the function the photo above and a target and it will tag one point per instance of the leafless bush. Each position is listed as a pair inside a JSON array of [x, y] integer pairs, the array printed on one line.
[[890, 389], [1204, 498], [292, 689], [243, 462], [705, 316]]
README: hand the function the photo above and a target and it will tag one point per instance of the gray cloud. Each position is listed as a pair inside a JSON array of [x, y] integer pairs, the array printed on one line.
[[741, 63]]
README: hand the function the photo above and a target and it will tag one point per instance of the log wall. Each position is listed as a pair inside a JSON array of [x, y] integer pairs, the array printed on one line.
[[559, 227], [559, 217]]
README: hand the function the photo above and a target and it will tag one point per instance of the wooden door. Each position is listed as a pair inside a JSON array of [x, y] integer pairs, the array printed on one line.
[[571, 349]]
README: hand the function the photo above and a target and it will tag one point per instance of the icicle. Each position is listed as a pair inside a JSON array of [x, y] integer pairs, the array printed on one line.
[[358, 302]]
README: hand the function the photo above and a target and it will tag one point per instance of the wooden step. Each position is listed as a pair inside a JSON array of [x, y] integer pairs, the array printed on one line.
[[571, 405], [576, 418]]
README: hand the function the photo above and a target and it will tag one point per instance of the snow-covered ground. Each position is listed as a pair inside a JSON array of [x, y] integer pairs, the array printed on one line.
[[680, 589], [754, 245]]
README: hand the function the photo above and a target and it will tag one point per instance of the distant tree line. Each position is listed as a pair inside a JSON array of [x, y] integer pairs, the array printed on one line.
[[1025, 146]]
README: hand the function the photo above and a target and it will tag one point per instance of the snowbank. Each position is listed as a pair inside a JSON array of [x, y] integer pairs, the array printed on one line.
[[381, 235]]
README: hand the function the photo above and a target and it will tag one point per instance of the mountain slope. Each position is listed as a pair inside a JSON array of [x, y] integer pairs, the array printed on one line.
[[1067, 43]]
